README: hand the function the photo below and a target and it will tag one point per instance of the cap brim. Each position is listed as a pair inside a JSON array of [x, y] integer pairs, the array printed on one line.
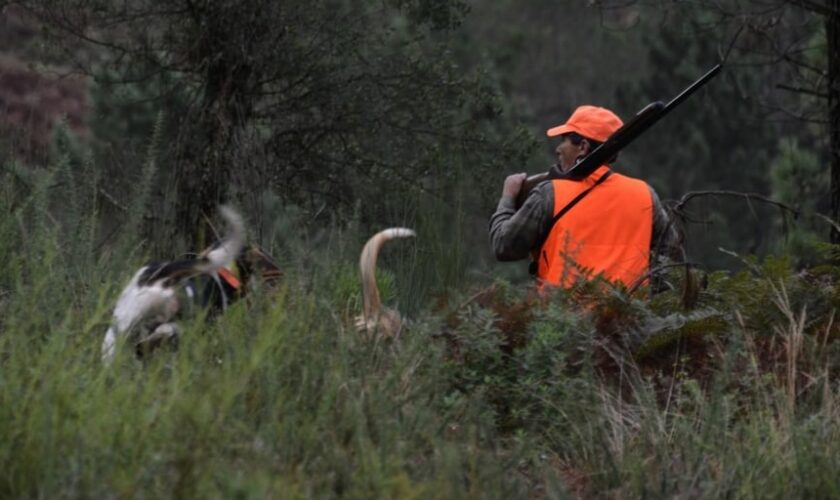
[[559, 130]]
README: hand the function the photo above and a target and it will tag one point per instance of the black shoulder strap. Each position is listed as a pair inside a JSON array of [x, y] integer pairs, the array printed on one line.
[[576, 200], [532, 268]]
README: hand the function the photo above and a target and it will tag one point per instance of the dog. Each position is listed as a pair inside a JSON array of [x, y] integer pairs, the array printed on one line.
[[253, 267], [376, 319], [149, 304]]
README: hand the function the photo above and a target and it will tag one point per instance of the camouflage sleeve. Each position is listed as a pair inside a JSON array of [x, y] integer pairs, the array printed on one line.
[[665, 240], [514, 233]]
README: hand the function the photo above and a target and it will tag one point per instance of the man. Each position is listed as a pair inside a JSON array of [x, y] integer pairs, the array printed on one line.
[[575, 227]]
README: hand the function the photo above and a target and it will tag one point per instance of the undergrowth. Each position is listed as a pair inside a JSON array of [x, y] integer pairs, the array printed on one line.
[[492, 391]]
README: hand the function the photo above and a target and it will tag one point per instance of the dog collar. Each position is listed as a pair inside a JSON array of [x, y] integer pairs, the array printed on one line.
[[229, 278]]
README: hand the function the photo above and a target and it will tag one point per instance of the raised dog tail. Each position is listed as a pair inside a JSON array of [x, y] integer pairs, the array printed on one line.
[[367, 267], [220, 255], [226, 251]]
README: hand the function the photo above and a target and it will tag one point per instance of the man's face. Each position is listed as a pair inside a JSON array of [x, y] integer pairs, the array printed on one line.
[[568, 153]]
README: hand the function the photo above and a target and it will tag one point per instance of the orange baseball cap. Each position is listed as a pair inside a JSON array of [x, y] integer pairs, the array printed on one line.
[[591, 122]]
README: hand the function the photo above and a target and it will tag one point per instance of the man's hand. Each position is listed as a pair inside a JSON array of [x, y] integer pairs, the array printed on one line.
[[513, 184]]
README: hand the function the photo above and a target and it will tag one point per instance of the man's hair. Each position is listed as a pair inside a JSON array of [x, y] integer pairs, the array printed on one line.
[[576, 139]]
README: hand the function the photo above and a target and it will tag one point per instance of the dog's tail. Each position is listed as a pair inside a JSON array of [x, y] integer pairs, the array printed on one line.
[[151, 290], [226, 251], [367, 267], [220, 255]]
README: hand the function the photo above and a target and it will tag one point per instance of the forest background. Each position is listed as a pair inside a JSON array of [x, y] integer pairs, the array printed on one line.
[[124, 124]]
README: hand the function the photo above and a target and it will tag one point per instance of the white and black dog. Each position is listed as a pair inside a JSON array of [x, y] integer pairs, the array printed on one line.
[[147, 307]]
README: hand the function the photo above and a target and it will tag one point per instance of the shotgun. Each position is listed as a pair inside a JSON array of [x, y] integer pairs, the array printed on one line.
[[628, 132]]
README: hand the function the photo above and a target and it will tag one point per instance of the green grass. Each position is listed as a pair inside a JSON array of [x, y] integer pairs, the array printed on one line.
[[276, 398], [279, 398]]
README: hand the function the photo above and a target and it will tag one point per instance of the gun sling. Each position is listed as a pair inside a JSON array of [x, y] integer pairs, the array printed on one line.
[[532, 267]]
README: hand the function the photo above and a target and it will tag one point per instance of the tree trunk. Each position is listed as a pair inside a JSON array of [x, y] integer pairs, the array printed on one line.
[[832, 31], [226, 104]]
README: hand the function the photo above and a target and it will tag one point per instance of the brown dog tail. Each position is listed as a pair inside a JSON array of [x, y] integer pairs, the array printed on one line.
[[367, 267]]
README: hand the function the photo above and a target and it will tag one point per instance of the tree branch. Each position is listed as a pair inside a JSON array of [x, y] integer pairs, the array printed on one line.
[[738, 194], [801, 90]]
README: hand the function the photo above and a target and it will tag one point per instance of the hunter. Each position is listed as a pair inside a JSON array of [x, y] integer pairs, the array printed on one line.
[[573, 228]]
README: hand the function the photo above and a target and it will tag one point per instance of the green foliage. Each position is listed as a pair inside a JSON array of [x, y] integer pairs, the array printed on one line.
[[130, 111], [368, 120], [586, 393], [717, 140], [276, 398], [800, 181], [261, 96]]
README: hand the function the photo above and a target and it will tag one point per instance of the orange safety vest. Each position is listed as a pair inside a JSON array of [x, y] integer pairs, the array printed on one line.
[[608, 232]]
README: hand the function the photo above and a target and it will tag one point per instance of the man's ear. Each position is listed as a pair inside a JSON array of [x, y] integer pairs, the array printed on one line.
[[585, 147]]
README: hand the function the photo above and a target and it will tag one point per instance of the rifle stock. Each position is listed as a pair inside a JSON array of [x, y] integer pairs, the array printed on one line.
[[530, 183], [622, 137]]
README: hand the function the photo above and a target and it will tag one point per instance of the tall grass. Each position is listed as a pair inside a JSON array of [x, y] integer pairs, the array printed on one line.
[[274, 399], [279, 398]]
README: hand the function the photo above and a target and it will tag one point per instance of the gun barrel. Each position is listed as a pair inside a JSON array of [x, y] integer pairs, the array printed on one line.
[[622, 137], [628, 132], [685, 94]]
